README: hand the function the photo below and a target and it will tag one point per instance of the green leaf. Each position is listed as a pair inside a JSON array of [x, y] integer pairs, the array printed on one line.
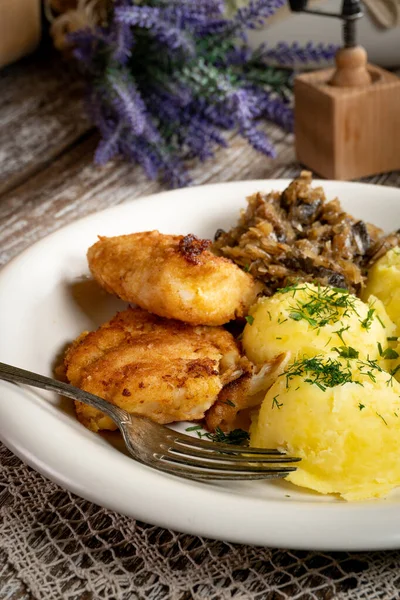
[[235, 437], [230, 403], [346, 352], [388, 353]]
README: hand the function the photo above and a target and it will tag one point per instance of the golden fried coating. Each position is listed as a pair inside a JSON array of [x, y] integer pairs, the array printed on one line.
[[247, 392], [150, 366], [173, 276]]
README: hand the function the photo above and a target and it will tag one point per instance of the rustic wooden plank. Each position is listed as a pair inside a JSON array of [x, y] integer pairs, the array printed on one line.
[[41, 114], [72, 187]]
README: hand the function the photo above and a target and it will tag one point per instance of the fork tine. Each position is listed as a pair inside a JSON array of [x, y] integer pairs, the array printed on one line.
[[191, 442], [224, 456], [202, 475], [238, 467]]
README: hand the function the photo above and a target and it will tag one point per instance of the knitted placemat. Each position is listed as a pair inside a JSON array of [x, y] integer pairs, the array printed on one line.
[[54, 545]]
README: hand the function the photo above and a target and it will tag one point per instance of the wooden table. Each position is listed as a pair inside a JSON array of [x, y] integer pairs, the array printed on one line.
[[48, 538]]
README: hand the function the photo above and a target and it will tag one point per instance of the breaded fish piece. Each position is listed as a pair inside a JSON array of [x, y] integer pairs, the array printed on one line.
[[163, 369], [173, 276], [231, 410]]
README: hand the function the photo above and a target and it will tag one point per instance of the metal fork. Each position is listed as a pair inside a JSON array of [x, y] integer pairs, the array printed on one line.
[[167, 450]]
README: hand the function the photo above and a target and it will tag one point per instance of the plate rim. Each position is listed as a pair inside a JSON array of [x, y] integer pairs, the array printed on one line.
[[181, 191]]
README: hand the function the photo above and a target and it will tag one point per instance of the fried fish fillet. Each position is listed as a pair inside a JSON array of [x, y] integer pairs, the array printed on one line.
[[231, 410], [163, 369], [173, 276]]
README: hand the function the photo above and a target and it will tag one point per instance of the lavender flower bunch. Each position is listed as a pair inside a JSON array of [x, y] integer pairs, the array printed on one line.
[[168, 77]]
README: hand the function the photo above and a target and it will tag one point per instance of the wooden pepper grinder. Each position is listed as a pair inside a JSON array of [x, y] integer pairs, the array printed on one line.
[[347, 120]]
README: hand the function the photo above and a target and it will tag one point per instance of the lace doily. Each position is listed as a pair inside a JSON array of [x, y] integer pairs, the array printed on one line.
[[56, 546]]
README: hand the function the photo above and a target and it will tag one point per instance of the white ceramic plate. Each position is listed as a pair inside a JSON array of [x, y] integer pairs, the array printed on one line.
[[45, 302]]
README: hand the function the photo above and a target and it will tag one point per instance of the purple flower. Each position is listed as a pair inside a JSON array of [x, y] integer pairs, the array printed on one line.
[[160, 23], [252, 16], [257, 11], [272, 107], [215, 113], [259, 141], [123, 43], [122, 36], [193, 129], [239, 56], [295, 54], [278, 112], [127, 102], [108, 146], [169, 76], [241, 104]]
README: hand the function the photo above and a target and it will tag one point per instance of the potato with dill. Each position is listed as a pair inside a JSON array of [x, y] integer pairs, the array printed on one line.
[[310, 319], [342, 418], [384, 282]]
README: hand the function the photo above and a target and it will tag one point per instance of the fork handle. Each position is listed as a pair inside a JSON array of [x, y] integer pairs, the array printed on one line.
[[17, 375]]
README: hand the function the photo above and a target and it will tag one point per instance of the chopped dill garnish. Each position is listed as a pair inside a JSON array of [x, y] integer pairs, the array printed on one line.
[[340, 333], [393, 338], [372, 363], [278, 338], [298, 315], [396, 415], [394, 371], [250, 319], [381, 322], [368, 366], [346, 352], [194, 428], [322, 306], [237, 436], [322, 372], [366, 323], [246, 268], [294, 287], [379, 415], [230, 403], [361, 406], [276, 403], [388, 353]]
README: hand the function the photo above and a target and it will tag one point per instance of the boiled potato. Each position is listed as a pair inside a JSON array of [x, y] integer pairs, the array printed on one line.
[[394, 365], [342, 418], [309, 319], [384, 282]]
